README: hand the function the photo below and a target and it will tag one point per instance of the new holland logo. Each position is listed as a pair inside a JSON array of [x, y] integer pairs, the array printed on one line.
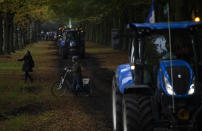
[[179, 76]]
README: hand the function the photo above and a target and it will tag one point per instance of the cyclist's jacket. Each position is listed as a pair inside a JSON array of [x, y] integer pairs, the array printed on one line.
[[76, 70]]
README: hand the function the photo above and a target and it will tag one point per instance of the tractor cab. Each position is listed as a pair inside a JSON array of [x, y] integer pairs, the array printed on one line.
[[160, 87], [71, 44], [153, 53]]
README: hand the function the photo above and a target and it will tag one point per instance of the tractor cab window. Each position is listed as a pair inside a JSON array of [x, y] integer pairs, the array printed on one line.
[[182, 46], [157, 48], [64, 36], [81, 35], [132, 51], [72, 35]]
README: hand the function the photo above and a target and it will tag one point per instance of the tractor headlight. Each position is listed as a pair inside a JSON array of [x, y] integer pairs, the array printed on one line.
[[132, 67], [169, 87], [192, 87]]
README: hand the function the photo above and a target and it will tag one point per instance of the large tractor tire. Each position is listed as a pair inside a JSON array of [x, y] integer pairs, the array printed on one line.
[[198, 126], [137, 113], [116, 107]]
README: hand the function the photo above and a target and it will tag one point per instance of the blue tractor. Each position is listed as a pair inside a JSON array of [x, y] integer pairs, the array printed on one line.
[[69, 43], [160, 87], [72, 43]]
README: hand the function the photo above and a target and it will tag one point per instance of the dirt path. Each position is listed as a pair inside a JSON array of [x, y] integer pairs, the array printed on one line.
[[87, 113], [99, 64], [35, 109]]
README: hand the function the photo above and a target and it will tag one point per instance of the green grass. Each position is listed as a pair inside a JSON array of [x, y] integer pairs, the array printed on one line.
[[10, 66], [94, 48], [16, 123], [15, 95]]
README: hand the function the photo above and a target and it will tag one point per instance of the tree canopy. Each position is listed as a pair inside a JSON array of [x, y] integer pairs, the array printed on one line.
[[25, 11], [90, 10]]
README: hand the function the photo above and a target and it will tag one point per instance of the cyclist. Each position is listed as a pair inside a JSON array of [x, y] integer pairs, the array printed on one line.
[[76, 74]]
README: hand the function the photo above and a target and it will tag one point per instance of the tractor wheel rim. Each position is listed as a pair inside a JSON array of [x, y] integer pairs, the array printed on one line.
[[124, 117], [114, 108]]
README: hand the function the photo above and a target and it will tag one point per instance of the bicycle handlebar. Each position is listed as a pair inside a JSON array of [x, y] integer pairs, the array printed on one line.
[[68, 69]]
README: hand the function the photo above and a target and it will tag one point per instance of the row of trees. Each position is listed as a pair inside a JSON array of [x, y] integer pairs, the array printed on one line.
[[101, 16], [20, 19], [20, 23]]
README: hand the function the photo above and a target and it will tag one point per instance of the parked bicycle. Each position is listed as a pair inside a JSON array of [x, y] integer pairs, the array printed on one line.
[[60, 87]]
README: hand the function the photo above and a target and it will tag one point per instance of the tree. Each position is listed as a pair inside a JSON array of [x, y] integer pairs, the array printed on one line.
[[18, 16]]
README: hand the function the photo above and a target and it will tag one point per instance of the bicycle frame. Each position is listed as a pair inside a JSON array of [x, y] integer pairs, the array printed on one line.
[[64, 77]]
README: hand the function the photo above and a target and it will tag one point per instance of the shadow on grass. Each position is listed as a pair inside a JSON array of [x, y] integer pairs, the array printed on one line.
[[30, 109]]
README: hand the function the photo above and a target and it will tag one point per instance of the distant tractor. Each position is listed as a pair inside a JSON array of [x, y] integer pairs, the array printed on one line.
[[72, 44], [160, 87]]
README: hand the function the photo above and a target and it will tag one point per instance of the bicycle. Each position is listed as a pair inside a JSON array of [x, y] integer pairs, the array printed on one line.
[[60, 87]]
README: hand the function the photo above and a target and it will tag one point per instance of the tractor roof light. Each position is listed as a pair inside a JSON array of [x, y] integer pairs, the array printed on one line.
[[197, 19]]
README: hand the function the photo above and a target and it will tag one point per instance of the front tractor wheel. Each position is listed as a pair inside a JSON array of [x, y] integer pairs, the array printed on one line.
[[198, 126], [116, 107], [137, 113]]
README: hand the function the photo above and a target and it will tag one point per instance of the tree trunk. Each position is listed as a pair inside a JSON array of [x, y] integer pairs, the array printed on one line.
[[1, 35], [11, 33], [18, 37], [21, 39], [15, 36], [6, 36], [181, 10]]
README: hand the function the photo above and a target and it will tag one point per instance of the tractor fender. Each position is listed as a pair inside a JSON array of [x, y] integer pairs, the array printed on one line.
[[124, 76]]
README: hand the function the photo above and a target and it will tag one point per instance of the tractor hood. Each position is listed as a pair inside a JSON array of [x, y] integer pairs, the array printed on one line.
[[176, 78]]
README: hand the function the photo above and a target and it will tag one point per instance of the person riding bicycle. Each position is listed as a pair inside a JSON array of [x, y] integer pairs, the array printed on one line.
[[76, 74]]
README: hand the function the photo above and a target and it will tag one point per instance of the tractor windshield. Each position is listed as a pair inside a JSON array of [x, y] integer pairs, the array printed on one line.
[[157, 47], [72, 35]]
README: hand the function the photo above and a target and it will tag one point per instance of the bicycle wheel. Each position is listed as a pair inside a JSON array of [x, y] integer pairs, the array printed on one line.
[[68, 83], [58, 89]]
